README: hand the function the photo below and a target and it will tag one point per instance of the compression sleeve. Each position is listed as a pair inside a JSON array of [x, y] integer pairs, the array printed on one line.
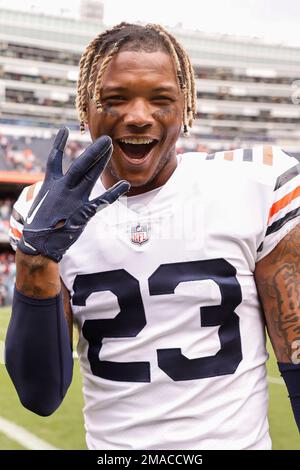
[[38, 353], [291, 376]]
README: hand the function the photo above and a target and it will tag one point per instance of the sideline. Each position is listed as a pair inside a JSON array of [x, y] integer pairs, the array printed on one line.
[[275, 380], [23, 437]]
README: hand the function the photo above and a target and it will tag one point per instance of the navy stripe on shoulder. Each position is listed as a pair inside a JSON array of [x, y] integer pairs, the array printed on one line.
[[287, 153], [17, 216], [280, 222], [287, 176], [247, 155]]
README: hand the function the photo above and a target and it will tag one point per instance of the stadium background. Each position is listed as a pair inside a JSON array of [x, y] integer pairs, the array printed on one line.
[[248, 92]]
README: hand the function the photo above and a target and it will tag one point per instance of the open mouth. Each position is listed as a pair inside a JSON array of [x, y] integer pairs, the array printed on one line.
[[136, 150]]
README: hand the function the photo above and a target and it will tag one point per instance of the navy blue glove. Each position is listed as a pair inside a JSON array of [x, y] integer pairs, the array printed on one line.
[[64, 199]]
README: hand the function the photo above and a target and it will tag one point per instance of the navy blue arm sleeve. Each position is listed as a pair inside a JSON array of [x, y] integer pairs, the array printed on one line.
[[291, 376], [38, 353]]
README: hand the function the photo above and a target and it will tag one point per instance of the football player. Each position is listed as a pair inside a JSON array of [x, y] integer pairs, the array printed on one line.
[[167, 282]]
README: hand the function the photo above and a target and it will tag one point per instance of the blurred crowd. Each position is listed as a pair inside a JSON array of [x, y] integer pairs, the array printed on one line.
[[29, 154], [7, 259], [18, 155], [5, 211], [5, 208], [7, 277], [73, 149]]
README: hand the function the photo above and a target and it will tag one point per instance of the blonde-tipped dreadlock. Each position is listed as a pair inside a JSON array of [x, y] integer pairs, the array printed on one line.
[[150, 38]]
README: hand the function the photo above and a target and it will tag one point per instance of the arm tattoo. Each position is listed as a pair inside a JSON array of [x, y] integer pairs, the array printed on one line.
[[37, 276], [278, 282], [287, 288]]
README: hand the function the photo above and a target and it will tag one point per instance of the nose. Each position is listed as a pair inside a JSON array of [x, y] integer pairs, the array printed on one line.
[[138, 114]]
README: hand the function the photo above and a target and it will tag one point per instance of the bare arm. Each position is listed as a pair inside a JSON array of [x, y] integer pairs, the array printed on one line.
[[277, 278], [37, 276]]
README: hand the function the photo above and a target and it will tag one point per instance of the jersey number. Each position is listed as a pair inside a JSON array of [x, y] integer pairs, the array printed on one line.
[[131, 320]]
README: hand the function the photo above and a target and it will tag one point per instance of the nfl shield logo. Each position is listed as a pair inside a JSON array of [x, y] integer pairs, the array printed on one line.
[[140, 234]]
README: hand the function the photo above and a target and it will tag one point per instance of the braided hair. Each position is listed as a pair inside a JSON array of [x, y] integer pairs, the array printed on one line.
[[149, 38]]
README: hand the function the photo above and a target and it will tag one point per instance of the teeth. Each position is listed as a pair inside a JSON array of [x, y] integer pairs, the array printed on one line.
[[137, 141]]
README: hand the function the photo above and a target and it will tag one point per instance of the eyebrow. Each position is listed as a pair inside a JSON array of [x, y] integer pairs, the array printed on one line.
[[164, 88], [159, 89], [113, 88]]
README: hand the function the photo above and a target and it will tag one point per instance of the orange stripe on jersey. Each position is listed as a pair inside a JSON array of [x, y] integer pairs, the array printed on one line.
[[30, 192], [284, 201], [16, 232], [228, 156], [268, 155]]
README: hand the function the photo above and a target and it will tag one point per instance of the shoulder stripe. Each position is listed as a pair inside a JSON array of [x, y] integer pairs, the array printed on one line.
[[284, 201], [263, 154], [287, 176], [247, 155], [260, 247], [287, 153], [30, 192], [16, 233], [280, 222], [17, 216], [268, 155], [228, 156]]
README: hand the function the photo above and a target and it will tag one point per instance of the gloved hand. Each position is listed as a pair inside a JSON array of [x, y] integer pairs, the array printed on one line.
[[65, 199]]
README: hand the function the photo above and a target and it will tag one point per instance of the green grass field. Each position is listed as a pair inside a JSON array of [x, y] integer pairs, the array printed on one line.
[[65, 430]]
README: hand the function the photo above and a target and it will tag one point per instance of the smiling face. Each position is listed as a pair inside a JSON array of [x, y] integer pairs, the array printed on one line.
[[142, 113]]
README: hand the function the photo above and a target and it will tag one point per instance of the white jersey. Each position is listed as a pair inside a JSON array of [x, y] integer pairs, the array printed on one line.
[[172, 341]]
